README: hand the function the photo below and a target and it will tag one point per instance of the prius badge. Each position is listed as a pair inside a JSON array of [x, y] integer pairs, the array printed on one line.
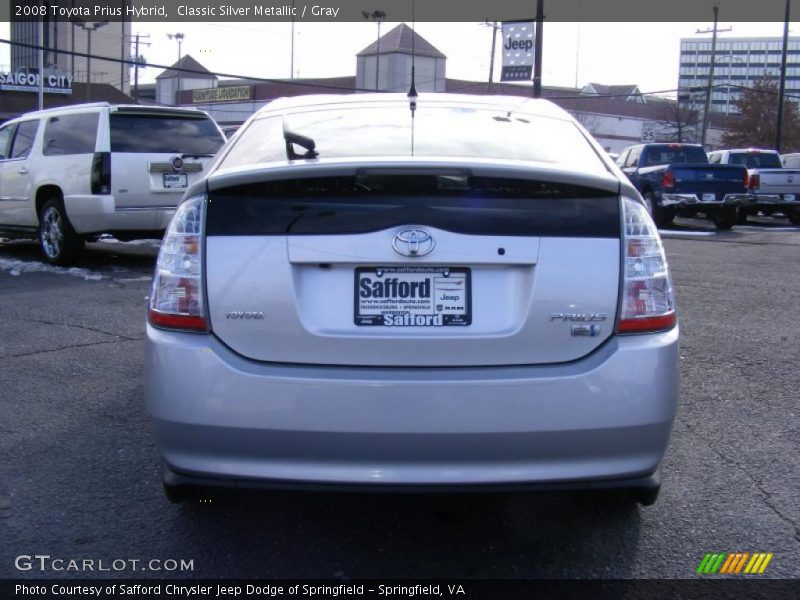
[[413, 242]]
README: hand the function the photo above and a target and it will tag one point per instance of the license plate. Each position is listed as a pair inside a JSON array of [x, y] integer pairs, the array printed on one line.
[[412, 296], [789, 197], [709, 197], [175, 180]]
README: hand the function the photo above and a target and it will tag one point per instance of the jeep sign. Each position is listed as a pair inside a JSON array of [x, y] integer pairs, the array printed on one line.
[[517, 51]]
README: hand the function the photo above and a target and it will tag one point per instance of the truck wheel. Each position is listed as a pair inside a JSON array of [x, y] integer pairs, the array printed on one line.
[[794, 216], [661, 216], [58, 240], [724, 218], [741, 216]]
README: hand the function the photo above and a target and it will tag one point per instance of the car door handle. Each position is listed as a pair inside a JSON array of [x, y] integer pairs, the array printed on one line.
[[22, 171]]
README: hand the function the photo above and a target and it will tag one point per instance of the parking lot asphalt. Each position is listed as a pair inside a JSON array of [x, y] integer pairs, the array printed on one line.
[[79, 470]]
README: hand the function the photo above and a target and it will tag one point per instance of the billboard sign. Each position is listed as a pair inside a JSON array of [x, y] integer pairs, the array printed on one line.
[[517, 51]]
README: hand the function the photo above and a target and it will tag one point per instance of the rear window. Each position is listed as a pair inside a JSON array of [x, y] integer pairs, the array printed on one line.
[[70, 134], [756, 160], [664, 155], [164, 133], [446, 131], [459, 203]]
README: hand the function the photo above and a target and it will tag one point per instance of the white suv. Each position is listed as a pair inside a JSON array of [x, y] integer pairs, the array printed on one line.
[[70, 174]]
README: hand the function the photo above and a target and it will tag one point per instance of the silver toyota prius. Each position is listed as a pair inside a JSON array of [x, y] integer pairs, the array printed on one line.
[[392, 292]]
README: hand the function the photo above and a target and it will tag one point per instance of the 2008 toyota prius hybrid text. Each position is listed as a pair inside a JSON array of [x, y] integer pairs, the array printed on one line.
[[440, 292]]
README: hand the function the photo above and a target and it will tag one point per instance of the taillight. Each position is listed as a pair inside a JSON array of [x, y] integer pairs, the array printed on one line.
[[648, 303], [668, 180], [753, 182], [176, 300], [101, 173]]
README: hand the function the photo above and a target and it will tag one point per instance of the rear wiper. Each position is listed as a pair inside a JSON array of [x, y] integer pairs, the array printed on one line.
[[302, 141]]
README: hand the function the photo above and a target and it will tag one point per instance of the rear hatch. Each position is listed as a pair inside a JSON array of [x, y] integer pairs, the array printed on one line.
[[157, 153], [418, 266], [710, 182]]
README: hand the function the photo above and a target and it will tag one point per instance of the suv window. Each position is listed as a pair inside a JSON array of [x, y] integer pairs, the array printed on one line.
[[756, 160], [5, 138], [70, 134], [23, 140], [633, 157], [141, 133]]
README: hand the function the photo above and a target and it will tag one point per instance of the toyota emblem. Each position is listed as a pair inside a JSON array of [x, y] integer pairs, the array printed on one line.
[[413, 242]]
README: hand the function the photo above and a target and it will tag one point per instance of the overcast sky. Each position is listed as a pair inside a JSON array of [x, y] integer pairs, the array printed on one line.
[[610, 53]]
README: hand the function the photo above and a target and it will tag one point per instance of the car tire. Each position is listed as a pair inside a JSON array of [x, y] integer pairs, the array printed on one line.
[[741, 216], [57, 239], [176, 493], [647, 496], [724, 218], [661, 216]]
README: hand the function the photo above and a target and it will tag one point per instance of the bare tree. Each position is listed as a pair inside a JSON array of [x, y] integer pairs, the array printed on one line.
[[679, 122], [754, 126], [589, 121]]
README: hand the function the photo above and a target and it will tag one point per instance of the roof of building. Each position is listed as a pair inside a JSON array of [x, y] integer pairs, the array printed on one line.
[[14, 104], [611, 90], [190, 69], [402, 40]]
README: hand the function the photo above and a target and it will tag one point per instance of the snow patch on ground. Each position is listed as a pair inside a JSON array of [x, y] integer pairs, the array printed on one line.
[[18, 267], [113, 240]]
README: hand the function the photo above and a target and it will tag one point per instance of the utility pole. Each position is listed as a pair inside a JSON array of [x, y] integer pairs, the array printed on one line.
[[710, 86], [40, 57], [779, 122], [137, 59], [495, 26], [537, 56]]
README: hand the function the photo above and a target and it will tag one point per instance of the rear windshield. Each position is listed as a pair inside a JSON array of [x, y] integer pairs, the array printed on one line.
[[757, 160], [458, 203], [164, 133], [665, 155], [445, 131]]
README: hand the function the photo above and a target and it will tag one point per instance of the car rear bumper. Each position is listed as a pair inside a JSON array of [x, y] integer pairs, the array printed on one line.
[[97, 214], [778, 200], [602, 421], [684, 200]]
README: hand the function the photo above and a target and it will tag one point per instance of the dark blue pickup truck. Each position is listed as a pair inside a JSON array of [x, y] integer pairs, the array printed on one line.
[[678, 179]]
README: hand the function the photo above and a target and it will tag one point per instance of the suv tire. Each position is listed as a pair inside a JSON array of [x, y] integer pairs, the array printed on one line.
[[724, 218], [58, 240]]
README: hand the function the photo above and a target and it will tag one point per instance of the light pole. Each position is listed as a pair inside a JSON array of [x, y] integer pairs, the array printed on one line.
[[782, 86], [378, 16], [178, 37], [89, 27], [733, 59]]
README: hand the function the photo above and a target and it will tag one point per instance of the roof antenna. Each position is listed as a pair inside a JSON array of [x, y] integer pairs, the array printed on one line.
[[412, 92]]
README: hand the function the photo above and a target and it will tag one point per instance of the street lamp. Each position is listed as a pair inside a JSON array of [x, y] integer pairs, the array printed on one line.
[[378, 16], [178, 37], [89, 27], [732, 59]]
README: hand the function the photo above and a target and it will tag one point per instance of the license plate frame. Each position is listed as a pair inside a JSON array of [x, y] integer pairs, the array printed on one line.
[[446, 302], [709, 197], [175, 181]]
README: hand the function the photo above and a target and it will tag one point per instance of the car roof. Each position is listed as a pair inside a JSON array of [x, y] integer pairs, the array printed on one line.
[[531, 106], [114, 107]]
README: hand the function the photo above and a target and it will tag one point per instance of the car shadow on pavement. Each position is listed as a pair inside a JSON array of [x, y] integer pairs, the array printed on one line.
[[503, 535], [97, 256]]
